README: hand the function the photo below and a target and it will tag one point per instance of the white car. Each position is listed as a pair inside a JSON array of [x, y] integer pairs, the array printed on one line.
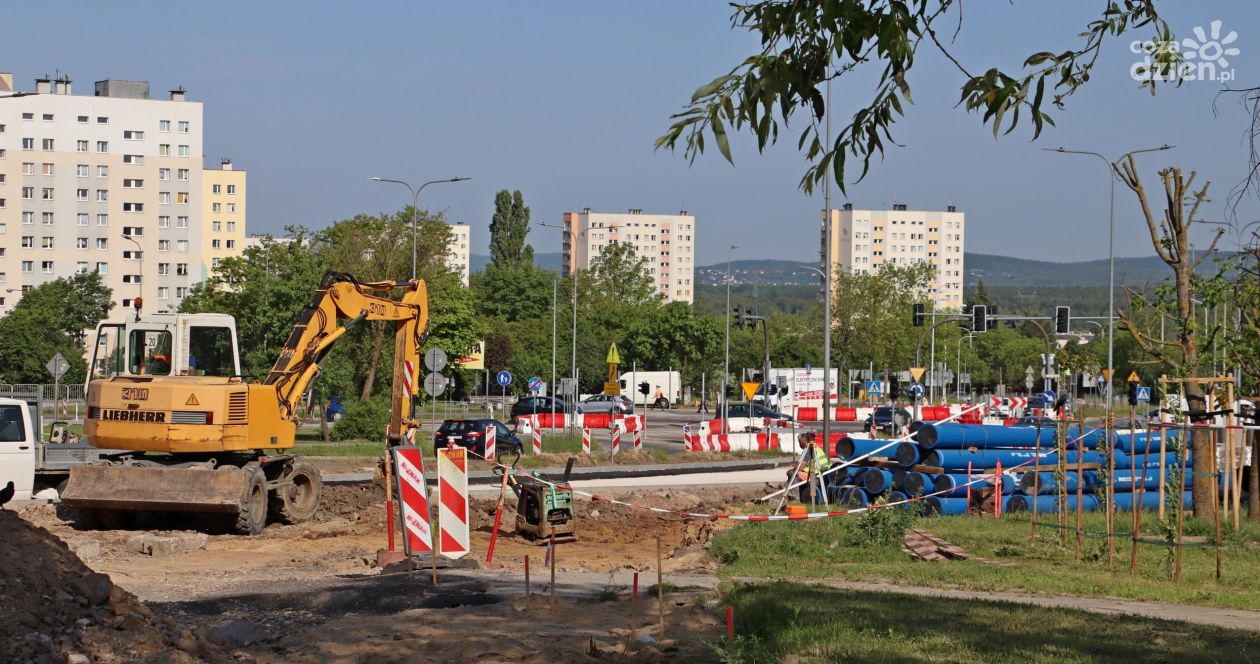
[[608, 403]]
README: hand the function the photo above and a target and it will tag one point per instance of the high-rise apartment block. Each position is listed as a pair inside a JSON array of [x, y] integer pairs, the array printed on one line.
[[666, 240], [864, 240], [111, 182], [457, 256]]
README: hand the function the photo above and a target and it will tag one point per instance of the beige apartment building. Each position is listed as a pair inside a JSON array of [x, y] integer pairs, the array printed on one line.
[[110, 182], [864, 240], [458, 254], [666, 240], [222, 215]]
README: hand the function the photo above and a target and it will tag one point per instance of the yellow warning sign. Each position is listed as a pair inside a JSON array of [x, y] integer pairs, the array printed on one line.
[[1107, 374], [750, 388], [613, 356], [1133, 378], [917, 372], [192, 401], [612, 387]]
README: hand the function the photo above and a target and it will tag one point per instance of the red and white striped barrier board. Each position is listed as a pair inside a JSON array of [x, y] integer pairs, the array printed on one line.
[[616, 441], [586, 440], [638, 440], [413, 501], [491, 432], [734, 442], [537, 433], [452, 465]]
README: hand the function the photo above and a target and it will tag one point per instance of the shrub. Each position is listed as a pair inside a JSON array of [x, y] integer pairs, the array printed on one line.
[[364, 420], [882, 526]]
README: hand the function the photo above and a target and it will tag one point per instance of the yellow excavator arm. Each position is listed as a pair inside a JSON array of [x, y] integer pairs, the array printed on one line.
[[342, 298]]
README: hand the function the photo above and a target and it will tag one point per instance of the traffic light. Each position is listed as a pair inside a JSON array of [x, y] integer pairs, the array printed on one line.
[[1133, 388], [918, 315], [644, 388], [979, 321], [894, 390], [1061, 317], [739, 317]]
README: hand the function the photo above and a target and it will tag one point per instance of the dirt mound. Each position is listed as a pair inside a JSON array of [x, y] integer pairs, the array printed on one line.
[[53, 607], [355, 502]]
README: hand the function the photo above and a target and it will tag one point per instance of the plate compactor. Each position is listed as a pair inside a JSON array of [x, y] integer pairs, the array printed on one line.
[[544, 509]]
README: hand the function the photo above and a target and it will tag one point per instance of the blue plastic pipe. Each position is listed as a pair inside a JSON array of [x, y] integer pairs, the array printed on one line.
[[1022, 503], [1046, 485], [877, 481], [989, 436], [849, 447], [908, 454], [1150, 500], [1138, 443], [1151, 461], [945, 506], [917, 484], [956, 484], [1147, 478], [951, 459], [852, 496]]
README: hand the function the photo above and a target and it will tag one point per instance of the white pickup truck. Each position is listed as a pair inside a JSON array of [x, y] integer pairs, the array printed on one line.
[[27, 460]]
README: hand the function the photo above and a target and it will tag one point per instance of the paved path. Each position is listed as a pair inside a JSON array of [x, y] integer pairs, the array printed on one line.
[[1202, 615]]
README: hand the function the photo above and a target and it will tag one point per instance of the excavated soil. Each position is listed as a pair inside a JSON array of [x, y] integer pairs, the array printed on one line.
[[311, 592]]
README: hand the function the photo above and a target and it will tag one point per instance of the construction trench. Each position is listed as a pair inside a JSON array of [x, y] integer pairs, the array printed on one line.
[[313, 592]]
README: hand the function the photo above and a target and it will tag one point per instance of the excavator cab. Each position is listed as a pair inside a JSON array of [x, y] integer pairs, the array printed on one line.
[[166, 344]]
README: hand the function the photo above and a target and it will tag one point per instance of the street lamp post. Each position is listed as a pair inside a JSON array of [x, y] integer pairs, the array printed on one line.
[[415, 202], [573, 238], [726, 354], [1111, 256]]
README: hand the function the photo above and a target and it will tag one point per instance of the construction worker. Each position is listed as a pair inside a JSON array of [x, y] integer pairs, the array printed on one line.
[[817, 461]]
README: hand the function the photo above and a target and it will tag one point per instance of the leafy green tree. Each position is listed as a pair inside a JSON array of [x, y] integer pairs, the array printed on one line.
[[618, 274], [804, 44], [673, 336], [872, 314], [265, 290], [512, 293], [54, 317], [508, 228]]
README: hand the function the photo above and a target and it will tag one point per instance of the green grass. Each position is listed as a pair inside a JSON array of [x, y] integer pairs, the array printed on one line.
[[352, 449], [827, 548], [822, 624]]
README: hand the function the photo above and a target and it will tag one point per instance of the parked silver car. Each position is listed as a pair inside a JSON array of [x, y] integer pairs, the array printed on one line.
[[608, 403]]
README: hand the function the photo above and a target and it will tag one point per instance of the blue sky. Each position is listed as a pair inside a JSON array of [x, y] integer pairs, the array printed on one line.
[[563, 100]]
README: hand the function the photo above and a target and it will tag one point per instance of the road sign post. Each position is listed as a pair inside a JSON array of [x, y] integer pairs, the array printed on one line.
[[504, 378]]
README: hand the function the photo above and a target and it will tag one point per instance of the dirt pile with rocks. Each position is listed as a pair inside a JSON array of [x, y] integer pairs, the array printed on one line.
[[54, 609]]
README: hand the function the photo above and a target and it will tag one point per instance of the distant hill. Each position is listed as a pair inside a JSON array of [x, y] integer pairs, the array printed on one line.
[[993, 270], [551, 261]]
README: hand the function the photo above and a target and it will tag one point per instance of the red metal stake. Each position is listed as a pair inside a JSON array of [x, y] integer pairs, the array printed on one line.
[[389, 521], [997, 492], [730, 623]]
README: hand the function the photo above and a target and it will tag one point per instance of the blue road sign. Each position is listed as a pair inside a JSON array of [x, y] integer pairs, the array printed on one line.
[[808, 367], [1048, 397], [1143, 393], [504, 378], [535, 384], [873, 387], [916, 390]]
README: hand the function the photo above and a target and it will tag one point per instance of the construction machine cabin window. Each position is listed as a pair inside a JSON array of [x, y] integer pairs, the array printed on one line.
[[210, 352], [108, 359], [11, 428], [149, 352]]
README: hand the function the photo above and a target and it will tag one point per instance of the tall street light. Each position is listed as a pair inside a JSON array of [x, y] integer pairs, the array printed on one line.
[[1112, 167], [573, 238], [415, 202], [726, 355]]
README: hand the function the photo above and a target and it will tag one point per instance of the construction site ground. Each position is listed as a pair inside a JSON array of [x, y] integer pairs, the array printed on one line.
[[312, 591]]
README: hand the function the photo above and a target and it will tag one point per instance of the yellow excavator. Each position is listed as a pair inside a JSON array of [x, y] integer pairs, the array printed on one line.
[[167, 388]]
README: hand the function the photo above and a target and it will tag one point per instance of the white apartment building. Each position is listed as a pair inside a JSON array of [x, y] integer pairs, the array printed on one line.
[[666, 240], [864, 240], [457, 255], [109, 182]]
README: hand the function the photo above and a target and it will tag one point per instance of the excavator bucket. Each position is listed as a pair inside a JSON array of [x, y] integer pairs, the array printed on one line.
[[136, 488]]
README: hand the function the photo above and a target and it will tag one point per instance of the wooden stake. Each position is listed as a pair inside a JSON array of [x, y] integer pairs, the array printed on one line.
[[1110, 493], [1135, 488], [1163, 471], [969, 491], [634, 608], [1217, 512], [660, 589], [389, 497], [1181, 502], [1080, 497], [498, 518]]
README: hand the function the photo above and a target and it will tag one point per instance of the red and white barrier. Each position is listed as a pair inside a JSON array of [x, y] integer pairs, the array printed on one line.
[[638, 440], [616, 441], [537, 435], [452, 465], [586, 440], [413, 500], [738, 442], [491, 432]]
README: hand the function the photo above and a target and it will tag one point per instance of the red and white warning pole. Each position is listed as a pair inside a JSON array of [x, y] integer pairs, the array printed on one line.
[[491, 430], [413, 500], [638, 440], [409, 377], [452, 465], [586, 440], [537, 433], [616, 440]]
